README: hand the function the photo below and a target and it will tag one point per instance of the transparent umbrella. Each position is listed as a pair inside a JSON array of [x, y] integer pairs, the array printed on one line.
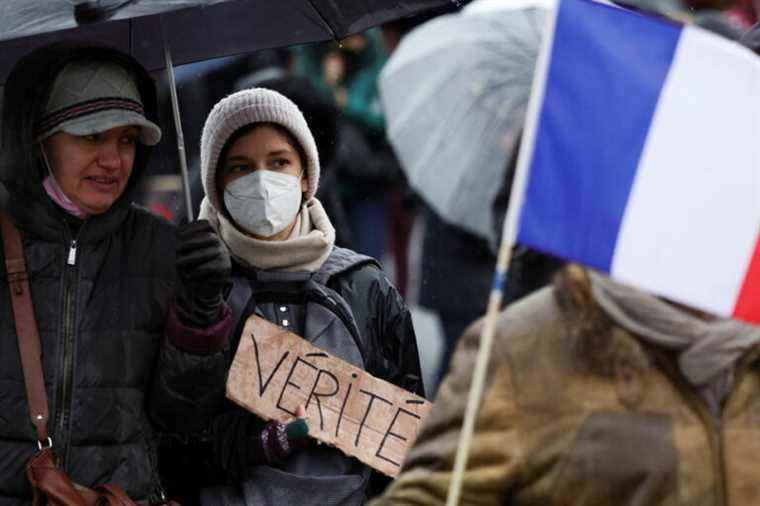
[[454, 95]]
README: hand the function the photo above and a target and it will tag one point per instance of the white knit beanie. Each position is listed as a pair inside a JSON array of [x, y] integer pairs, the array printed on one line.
[[256, 105]]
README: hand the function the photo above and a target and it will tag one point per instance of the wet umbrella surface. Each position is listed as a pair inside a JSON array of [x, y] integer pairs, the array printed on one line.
[[455, 93], [194, 29]]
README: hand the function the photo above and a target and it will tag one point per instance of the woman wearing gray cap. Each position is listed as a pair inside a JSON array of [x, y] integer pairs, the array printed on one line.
[[127, 329]]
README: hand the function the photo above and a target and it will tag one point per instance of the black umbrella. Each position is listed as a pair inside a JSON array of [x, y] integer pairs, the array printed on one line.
[[195, 29], [160, 33]]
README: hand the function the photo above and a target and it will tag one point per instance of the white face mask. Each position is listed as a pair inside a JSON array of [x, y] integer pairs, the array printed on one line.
[[264, 202]]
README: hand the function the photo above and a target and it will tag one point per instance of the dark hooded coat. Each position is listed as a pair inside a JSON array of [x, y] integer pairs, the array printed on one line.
[[106, 363]]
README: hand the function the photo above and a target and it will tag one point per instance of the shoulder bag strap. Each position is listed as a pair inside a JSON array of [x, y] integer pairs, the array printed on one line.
[[26, 328]]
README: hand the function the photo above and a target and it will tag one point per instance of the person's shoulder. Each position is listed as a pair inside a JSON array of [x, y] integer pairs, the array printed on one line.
[[150, 228], [345, 263], [531, 326], [532, 352], [537, 312], [360, 279], [144, 214], [142, 217]]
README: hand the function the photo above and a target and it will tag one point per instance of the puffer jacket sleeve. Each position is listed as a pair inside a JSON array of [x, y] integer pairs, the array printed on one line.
[[393, 353], [188, 387], [386, 326], [495, 453]]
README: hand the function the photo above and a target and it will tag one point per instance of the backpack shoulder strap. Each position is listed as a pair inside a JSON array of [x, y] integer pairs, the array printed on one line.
[[341, 260], [26, 327]]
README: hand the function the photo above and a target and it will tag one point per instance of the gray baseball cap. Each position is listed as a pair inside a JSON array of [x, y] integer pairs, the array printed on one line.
[[92, 97]]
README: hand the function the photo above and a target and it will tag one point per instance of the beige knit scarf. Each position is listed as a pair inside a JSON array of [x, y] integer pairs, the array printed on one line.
[[306, 249], [707, 349]]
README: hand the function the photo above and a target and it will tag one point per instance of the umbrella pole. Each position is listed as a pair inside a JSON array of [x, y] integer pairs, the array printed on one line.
[[178, 128], [481, 365]]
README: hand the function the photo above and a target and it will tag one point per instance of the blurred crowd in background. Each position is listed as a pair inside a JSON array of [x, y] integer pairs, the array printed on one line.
[[443, 271]]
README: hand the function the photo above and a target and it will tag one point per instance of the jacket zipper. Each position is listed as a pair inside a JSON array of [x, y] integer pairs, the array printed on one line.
[[721, 456], [715, 436], [63, 392], [740, 370], [717, 447], [717, 439]]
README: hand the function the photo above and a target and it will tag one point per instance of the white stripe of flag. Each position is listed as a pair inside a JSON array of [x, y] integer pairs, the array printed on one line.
[[642, 157]]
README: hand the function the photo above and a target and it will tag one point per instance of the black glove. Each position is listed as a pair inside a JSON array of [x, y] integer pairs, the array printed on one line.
[[203, 264]]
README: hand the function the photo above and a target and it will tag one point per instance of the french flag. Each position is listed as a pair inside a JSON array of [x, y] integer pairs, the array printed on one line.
[[642, 157]]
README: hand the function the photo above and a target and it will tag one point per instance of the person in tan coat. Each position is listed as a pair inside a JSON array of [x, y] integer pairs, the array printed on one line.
[[598, 394]]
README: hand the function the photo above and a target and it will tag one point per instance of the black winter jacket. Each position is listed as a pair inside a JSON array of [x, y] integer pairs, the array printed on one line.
[[101, 291], [218, 456], [101, 321]]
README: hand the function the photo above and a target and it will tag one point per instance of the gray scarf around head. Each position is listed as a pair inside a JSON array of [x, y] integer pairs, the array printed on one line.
[[707, 349]]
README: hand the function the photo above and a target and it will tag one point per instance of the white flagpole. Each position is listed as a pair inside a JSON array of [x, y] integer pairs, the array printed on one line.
[[508, 238], [479, 374]]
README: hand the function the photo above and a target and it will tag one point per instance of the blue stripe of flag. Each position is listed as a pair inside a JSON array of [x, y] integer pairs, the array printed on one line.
[[605, 75]]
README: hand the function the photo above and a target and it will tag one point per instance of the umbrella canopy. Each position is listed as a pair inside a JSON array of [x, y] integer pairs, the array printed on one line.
[[194, 29], [163, 33], [454, 94]]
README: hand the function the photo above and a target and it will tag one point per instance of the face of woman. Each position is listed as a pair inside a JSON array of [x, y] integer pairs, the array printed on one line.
[[93, 170], [263, 148]]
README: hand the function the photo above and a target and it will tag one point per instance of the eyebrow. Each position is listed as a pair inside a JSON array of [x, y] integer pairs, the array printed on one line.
[[243, 158], [237, 158], [281, 152]]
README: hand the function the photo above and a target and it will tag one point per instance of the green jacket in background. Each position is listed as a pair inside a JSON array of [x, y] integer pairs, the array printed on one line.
[[360, 81]]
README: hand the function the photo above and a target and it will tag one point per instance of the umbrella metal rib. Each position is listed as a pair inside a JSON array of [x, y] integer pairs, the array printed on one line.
[[178, 128], [324, 20]]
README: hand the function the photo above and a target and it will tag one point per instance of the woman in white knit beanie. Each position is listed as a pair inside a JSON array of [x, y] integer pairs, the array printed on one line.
[[268, 218], [260, 171]]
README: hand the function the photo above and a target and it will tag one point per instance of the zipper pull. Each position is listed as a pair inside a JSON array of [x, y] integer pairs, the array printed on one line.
[[72, 254]]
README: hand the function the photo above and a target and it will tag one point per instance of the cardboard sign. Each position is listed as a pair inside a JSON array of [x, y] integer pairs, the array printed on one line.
[[275, 371]]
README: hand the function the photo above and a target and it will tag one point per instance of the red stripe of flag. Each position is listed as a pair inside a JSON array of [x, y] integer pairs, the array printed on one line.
[[748, 304]]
